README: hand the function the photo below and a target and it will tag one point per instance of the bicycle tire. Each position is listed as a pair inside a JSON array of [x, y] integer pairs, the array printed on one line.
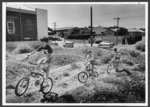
[[109, 69], [26, 87], [50, 88], [82, 74]]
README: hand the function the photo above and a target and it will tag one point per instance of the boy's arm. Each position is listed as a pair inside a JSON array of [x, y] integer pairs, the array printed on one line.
[[34, 51]]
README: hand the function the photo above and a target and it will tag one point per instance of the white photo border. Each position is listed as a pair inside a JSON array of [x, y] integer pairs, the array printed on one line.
[[67, 104]]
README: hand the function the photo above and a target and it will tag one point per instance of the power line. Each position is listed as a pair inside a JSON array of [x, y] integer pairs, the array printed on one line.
[[29, 7], [77, 18]]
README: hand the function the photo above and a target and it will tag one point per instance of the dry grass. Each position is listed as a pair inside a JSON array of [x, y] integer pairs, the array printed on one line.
[[113, 88]]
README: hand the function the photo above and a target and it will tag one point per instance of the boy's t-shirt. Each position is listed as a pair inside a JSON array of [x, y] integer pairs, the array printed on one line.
[[90, 57], [116, 55], [47, 47]]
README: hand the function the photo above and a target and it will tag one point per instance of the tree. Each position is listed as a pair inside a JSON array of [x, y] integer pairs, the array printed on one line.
[[122, 31]]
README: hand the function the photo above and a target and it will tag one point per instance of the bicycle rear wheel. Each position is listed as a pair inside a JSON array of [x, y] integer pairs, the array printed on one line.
[[47, 86], [109, 68], [82, 77], [22, 86]]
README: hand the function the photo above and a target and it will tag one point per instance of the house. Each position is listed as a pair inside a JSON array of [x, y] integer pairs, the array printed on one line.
[[134, 35], [79, 33], [25, 24], [135, 32], [74, 32], [103, 31]]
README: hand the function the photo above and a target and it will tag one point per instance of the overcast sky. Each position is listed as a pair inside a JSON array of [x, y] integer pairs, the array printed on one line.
[[72, 15]]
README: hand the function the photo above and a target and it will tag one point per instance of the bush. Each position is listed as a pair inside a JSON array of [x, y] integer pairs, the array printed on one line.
[[61, 60], [127, 61], [140, 46], [10, 47], [129, 52], [106, 58], [22, 48]]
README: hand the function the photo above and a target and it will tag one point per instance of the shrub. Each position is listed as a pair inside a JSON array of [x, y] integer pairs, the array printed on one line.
[[129, 52], [106, 58], [22, 48], [127, 61], [10, 47], [61, 60], [102, 52], [140, 46]]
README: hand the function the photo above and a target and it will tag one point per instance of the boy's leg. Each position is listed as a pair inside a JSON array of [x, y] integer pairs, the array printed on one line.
[[47, 72], [39, 63]]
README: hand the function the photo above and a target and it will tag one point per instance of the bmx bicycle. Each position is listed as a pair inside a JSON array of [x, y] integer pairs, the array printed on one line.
[[84, 75], [45, 86]]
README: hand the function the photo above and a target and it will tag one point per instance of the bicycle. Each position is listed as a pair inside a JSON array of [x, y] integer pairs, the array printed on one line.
[[116, 66], [45, 86], [84, 75]]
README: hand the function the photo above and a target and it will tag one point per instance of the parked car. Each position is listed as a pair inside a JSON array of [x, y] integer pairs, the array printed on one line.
[[98, 41], [106, 44], [69, 44]]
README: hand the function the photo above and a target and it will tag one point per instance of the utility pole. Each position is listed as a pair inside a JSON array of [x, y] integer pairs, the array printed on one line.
[[91, 27], [117, 18], [20, 24], [55, 30]]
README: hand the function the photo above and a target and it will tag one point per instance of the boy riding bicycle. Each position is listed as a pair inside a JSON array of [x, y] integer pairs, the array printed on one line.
[[90, 60], [116, 59], [47, 50]]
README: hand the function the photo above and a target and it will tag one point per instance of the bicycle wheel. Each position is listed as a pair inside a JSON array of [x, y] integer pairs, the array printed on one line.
[[22, 86], [47, 86], [82, 77], [109, 68]]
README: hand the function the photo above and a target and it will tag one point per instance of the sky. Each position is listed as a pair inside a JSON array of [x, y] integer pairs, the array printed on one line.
[[78, 15]]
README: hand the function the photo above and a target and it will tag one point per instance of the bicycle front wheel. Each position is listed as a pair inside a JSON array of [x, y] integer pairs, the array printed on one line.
[[82, 77], [22, 86], [109, 68], [47, 86]]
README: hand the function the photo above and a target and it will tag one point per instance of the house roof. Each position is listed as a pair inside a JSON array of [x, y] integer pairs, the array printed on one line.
[[99, 30], [135, 30], [65, 28]]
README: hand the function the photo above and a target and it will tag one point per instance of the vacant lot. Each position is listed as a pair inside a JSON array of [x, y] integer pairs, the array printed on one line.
[[67, 63]]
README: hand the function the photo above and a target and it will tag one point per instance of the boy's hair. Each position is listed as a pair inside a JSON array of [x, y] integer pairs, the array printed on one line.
[[44, 39]]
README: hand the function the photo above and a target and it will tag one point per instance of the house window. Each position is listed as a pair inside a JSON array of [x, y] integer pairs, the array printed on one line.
[[11, 27]]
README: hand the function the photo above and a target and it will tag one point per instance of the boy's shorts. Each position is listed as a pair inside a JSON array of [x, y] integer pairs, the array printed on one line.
[[49, 60]]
